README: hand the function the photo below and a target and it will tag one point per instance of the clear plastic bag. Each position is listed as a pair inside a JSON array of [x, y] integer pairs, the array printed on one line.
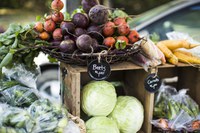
[[14, 118], [71, 128], [21, 74], [48, 117], [180, 36], [174, 110], [19, 96]]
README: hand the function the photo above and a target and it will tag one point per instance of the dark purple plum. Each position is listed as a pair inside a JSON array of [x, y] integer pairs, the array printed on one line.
[[67, 27], [67, 46], [80, 20], [80, 31]]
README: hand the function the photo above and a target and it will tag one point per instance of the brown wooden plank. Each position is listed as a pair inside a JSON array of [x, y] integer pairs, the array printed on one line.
[[72, 92], [124, 66]]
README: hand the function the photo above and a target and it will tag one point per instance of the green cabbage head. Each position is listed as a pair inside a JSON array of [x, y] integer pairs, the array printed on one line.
[[98, 98], [101, 124], [128, 113]]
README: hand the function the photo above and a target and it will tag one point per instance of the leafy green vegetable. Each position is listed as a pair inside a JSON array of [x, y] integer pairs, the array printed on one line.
[[98, 98], [128, 113], [120, 44], [19, 44], [101, 124], [120, 13]]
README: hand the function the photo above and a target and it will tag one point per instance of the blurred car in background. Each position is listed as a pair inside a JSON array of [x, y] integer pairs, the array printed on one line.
[[178, 15]]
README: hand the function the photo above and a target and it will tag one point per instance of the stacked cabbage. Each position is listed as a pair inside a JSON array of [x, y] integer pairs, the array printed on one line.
[[110, 114]]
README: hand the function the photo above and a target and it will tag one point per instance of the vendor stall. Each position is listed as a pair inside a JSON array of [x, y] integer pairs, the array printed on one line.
[[111, 76]]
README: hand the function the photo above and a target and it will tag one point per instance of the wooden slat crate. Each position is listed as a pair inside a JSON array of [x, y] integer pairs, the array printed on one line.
[[133, 77]]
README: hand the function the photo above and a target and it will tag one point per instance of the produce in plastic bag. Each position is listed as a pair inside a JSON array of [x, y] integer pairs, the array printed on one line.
[[5, 129], [14, 118], [19, 96], [174, 110], [48, 117], [17, 87], [21, 74], [71, 128]]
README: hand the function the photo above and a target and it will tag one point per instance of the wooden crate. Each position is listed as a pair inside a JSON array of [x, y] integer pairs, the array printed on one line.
[[133, 77]]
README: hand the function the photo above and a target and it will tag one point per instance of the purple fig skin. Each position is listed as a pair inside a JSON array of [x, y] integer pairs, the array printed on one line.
[[67, 46], [80, 20], [88, 4]]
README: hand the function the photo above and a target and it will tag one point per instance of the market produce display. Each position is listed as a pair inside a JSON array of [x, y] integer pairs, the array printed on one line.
[[93, 32], [124, 111]]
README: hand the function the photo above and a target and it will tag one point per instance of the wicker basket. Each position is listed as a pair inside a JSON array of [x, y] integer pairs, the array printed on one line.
[[79, 122], [82, 59]]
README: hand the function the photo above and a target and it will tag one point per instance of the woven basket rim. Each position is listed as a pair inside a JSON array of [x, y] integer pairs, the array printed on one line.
[[81, 58]]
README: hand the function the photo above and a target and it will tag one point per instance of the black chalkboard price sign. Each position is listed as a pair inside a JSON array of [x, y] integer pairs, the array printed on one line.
[[99, 69], [152, 83]]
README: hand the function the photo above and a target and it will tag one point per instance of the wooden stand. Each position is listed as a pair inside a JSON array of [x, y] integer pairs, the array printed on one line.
[[133, 78]]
